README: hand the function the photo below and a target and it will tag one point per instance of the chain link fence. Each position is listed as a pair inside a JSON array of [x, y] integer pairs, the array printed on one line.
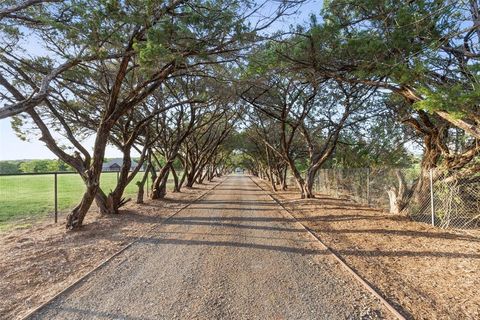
[[25, 197], [453, 202], [430, 197]]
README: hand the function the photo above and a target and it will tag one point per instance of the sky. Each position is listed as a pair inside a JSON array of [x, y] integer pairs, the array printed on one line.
[[13, 148]]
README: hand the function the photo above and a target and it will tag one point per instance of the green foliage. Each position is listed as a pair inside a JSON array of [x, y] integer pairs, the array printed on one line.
[[9, 167], [400, 42], [263, 60], [41, 166], [384, 146], [195, 31], [454, 99]]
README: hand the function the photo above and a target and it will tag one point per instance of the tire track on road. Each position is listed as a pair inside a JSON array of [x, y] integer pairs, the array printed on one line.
[[105, 262], [347, 268]]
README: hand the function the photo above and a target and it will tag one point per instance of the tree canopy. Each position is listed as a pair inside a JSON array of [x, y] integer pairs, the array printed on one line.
[[197, 88]]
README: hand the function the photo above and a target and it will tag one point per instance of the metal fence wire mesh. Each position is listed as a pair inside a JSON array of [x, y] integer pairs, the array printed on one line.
[[456, 202], [431, 197], [33, 195]]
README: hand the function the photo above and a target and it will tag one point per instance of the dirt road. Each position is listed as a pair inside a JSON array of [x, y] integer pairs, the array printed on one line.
[[232, 255]]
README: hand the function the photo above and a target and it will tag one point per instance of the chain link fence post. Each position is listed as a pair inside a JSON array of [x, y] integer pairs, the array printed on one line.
[[368, 186], [432, 209], [55, 183]]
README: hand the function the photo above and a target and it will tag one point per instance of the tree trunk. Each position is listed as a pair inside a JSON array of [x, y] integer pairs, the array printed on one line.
[[298, 179], [191, 176], [115, 198], [91, 178], [210, 174], [201, 177], [176, 187], [419, 193], [308, 186], [88, 168], [76, 216], [271, 178], [270, 170], [301, 186], [101, 201], [141, 185], [393, 200], [159, 189], [284, 180], [114, 201], [397, 196], [182, 179], [163, 187]]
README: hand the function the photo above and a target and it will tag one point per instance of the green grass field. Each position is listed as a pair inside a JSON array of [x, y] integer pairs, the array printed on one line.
[[33, 195]]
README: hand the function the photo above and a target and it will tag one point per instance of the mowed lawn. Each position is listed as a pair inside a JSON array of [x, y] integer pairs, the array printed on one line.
[[33, 195]]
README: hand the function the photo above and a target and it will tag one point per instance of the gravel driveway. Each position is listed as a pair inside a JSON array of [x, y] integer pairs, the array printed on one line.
[[232, 255]]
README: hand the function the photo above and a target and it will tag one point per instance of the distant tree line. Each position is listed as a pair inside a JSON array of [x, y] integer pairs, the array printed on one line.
[[33, 166]]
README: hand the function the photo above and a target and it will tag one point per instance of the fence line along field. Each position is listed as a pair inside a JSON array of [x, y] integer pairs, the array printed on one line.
[[32, 195]]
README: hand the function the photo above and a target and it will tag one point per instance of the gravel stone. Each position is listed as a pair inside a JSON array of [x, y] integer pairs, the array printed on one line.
[[232, 255]]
